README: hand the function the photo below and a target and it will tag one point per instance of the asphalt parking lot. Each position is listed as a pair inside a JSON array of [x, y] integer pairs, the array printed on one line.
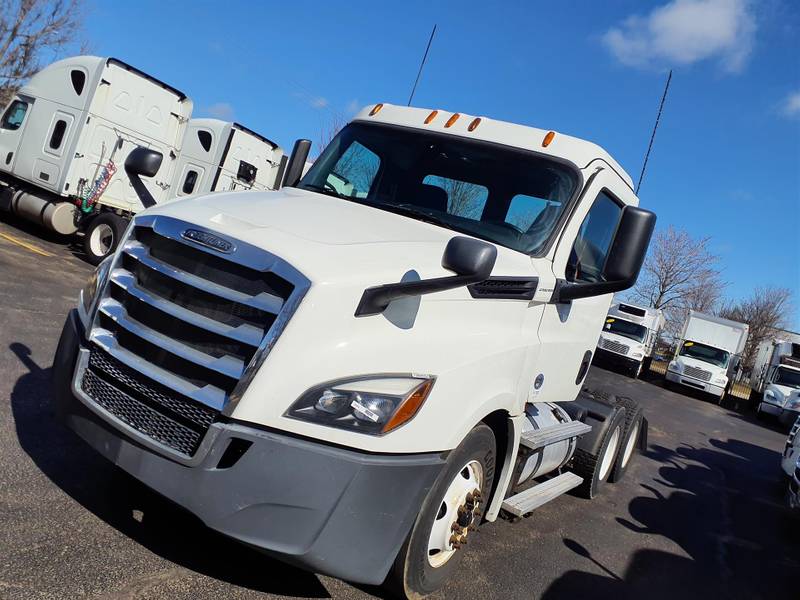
[[699, 515]]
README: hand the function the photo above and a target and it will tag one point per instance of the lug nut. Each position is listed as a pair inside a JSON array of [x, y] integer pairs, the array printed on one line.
[[463, 540], [455, 542]]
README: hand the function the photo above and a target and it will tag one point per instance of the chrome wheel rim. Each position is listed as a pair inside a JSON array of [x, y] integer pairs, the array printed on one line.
[[101, 239], [610, 454]]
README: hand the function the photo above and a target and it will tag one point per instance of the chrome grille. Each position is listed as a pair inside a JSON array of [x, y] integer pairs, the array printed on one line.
[[193, 322], [701, 374], [615, 346]]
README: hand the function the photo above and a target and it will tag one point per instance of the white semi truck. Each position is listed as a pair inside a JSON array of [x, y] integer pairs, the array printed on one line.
[[65, 136], [708, 351], [775, 380], [629, 337], [354, 378]]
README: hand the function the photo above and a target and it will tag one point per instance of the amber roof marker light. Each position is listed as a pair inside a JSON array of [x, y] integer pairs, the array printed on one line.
[[375, 110], [548, 138], [431, 116], [452, 120], [474, 125]]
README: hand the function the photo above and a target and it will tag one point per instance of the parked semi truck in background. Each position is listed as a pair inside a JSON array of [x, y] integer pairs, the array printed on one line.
[[790, 464], [775, 380], [353, 376], [629, 336], [66, 134], [708, 351]]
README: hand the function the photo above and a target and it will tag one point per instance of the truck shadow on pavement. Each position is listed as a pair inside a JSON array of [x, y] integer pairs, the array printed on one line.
[[125, 504], [723, 509]]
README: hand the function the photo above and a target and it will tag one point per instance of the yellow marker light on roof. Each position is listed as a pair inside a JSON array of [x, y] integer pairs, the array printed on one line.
[[474, 124], [548, 138], [452, 120], [687, 344], [610, 320], [431, 116], [375, 110]]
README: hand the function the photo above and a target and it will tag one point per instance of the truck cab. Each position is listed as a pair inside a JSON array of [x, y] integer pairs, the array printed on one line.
[[628, 337], [355, 371], [780, 382]]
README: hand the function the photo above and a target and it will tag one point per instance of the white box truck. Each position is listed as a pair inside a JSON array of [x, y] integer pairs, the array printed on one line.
[[354, 380], [629, 337], [775, 380], [708, 350], [65, 136], [221, 155]]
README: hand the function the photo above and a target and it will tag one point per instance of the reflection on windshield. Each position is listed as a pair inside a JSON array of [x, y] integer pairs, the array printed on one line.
[[625, 328], [788, 377], [507, 196], [708, 354]]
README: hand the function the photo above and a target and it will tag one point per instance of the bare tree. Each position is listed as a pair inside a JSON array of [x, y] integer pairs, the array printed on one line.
[[679, 273], [328, 131], [29, 30], [463, 199], [765, 310]]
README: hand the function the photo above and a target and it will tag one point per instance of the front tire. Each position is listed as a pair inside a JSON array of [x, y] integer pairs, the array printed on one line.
[[102, 236], [451, 510]]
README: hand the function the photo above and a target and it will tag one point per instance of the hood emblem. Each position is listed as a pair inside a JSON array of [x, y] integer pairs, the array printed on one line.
[[209, 240]]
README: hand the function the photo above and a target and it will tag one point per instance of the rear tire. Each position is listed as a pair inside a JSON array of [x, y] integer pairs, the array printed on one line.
[[428, 559], [630, 437], [595, 468], [102, 236]]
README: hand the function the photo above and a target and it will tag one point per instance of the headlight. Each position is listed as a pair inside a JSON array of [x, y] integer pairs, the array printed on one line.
[[769, 394], [721, 380], [674, 365], [95, 282], [373, 405], [637, 355]]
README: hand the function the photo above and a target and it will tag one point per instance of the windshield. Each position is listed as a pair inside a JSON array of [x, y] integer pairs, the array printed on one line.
[[708, 354], [625, 328], [788, 377], [504, 195]]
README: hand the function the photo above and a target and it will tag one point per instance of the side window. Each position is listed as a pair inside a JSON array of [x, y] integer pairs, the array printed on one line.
[[189, 182], [15, 115], [464, 199], [354, 172], [205, 139], [591, 247], [58, 134], [78, 79]]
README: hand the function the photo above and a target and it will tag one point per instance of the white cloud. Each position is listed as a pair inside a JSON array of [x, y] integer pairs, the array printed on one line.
[[221, 110], [683, 32], [352, 107], [790, 107], [318, 102]]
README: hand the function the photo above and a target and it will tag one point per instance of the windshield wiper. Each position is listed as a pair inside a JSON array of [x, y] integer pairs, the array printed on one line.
[[408, 210], [323, 190]]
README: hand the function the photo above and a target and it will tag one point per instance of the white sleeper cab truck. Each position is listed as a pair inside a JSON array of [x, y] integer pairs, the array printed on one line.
[[65, 136], [355, 381], [790, 463], [225, 156], [708, 351], [776, 380], [628, 338]]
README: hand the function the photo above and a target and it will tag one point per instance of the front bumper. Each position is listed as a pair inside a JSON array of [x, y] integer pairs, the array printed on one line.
[[697, 384], [328, 509], [603, 357], [785, 416]]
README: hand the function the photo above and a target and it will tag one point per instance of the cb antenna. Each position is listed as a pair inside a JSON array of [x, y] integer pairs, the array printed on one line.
[[653, 136], [421, 65]]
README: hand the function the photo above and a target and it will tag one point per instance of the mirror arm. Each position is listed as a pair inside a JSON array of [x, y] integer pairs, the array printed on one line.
[[376, 299], [145, 197], [565, 291]]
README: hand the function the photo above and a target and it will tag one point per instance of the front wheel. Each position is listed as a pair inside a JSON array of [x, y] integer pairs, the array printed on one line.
[[451, 511], [102, 236]]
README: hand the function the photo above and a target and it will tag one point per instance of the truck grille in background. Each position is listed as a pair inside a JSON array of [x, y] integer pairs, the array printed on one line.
[[615, 346], [175, 329], [696, 373]]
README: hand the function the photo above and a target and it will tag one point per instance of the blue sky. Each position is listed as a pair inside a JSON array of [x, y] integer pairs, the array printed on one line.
[[726, 162]]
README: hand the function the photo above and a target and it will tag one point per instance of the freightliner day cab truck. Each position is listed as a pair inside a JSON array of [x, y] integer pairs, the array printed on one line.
[[790, 464], [66, 134], [708, 352], [776, 380], [354, 380], [628, 338]]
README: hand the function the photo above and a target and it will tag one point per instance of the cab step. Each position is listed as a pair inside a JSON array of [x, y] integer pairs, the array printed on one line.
[[532, 498], [538, 438]]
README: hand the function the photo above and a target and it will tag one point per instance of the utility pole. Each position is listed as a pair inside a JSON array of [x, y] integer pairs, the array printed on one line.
[[421, 65], [653, 136]]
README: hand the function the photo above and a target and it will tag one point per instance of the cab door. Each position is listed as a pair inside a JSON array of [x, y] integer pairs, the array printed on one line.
[[12, 127], [569, 331]]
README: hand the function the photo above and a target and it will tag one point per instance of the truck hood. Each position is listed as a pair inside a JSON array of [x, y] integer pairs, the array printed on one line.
[[684, 361], [328, 238], [633, 345]]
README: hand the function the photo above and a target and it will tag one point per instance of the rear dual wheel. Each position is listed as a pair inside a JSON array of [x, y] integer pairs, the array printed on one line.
[[630, 437], [102, 236]]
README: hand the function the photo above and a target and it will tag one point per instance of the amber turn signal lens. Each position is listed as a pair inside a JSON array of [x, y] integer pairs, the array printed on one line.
[[548, 138], [452, 120], [474, 124], [431, 116], [409, 407], [375, 110]]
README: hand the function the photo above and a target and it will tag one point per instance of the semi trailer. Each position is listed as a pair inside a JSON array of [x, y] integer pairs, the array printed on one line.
[[629, 337], [354, 376], [707, 353], [775, 380]]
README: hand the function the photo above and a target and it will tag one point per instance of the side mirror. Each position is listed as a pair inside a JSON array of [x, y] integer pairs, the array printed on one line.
[[471, 260], [297, 161], [624, 261], [143, 162]]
